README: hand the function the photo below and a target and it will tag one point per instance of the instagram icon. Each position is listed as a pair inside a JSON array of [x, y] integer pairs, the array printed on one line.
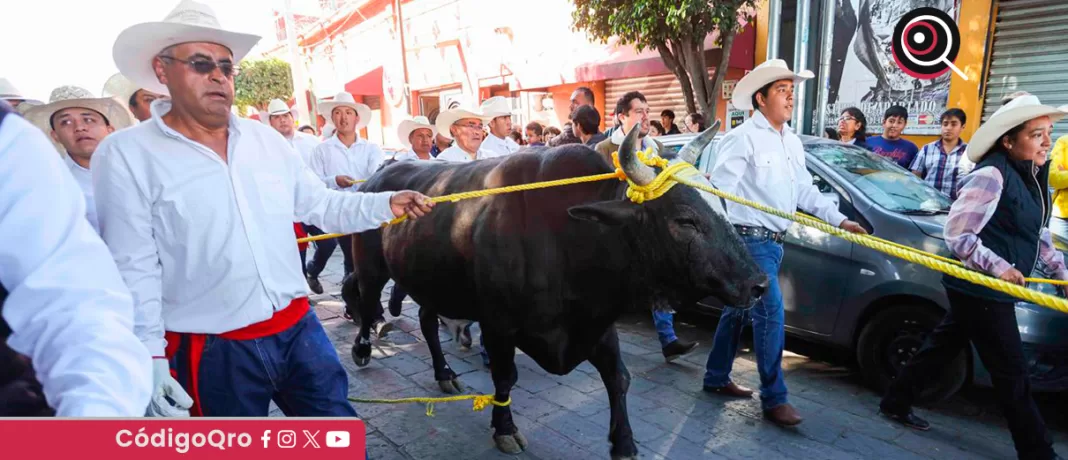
[[287, 439]]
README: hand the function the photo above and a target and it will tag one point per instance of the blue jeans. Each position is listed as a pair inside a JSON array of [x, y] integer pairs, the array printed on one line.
[[297, 368], [768, 334], [665, 326]]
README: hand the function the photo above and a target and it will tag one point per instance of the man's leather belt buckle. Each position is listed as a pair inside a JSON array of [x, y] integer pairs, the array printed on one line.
[[760, 232]]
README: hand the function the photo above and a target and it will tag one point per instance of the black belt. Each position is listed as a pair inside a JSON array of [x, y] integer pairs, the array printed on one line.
[[760, 232]]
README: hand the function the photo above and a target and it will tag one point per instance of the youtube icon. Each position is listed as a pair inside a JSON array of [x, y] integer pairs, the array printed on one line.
[[337, 439]]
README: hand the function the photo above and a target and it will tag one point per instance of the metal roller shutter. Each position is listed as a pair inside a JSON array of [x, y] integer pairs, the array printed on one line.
[[663, 92], [1030, 54]]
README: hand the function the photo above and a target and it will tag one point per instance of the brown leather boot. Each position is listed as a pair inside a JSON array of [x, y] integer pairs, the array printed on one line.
[[784, 415], [732, 389]]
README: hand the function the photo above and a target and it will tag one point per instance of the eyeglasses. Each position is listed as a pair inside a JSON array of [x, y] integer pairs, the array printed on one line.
[[207, 66], [847, 119]]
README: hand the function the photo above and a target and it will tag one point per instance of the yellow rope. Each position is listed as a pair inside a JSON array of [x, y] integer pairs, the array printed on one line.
[[479, 402], [681, 172]]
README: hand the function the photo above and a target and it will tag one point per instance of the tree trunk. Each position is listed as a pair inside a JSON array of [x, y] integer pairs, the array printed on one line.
[[693, 48], [726, 43], [672, 61]]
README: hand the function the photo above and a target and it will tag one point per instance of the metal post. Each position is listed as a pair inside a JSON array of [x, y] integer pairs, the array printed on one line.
[[296, 64], [827, 42], [800, 62], [403, 54], [774, 24]]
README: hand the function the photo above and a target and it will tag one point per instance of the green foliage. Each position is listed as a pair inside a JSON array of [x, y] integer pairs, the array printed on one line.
[[260, 81]]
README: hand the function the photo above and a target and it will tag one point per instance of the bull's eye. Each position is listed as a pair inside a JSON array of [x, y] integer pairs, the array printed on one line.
[[687, 222]]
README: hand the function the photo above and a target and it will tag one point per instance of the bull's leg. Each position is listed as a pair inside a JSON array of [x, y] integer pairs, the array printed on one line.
[[370, 302], [609, 363], [446, 378], [502, 353]]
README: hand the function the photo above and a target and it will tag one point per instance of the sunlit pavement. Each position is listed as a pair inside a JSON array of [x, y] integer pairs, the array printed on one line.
[[566, 417]]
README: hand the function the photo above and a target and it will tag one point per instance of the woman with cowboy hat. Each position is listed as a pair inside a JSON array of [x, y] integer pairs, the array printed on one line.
[[998, 226]]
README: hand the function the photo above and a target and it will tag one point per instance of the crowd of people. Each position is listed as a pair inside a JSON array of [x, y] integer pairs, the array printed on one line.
[[158, 251]]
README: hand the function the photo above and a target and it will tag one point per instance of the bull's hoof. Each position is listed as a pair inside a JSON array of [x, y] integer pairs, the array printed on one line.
[[511, 444], [452, 387], [361, 354], [465, 338]]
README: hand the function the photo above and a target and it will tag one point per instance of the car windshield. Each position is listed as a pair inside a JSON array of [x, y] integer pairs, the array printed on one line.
[[886, 183]]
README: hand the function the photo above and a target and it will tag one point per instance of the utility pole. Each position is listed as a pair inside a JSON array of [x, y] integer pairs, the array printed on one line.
[[296, 64], [399, 24]]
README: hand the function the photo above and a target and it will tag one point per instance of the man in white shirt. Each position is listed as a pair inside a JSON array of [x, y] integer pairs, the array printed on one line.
[[764, 161], [340, 161], [78, 121], [466, 128], [62, 302], [197, 207], [280, 117], [418, 135], [499, 112]]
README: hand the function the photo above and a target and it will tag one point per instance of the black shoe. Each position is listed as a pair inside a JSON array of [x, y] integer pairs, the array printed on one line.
[[677, 349], [908, 419], [314, 284]]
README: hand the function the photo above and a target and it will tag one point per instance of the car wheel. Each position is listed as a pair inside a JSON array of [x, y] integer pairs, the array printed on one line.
[[890, 339]]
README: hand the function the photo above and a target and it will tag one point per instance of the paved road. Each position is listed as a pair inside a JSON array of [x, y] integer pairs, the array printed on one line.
[[566, 417]]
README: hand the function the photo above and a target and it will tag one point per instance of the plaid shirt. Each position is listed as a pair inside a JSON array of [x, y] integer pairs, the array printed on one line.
[[938, 168], [979, 195]]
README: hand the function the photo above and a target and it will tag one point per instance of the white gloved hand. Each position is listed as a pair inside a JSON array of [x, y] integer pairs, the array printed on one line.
[[164, 386]]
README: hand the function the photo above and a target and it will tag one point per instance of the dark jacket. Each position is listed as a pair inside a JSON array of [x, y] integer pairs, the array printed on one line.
[[1015, 229]]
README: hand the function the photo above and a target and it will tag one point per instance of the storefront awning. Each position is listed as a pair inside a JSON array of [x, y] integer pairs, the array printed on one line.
[[368, 84]]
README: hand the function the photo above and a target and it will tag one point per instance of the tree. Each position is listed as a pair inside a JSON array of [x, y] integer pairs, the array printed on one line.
[[677, 30], [260, 81]]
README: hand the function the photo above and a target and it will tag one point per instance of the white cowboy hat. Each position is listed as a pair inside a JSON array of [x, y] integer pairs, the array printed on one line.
[[190, 21], [496, 106], [344, 99], [1018, 111], [407, 126], [9, 91], [66, 97], [279, 107], [767, 72], [448, 117], [120, 88]]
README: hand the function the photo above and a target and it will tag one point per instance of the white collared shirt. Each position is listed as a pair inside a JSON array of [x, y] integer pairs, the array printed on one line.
[[501, 147], [618, 137], [84, 178], [67, 305], [207, 246], [359, 161], [410, 155], [756, 162], [305, 144], [455, 153]]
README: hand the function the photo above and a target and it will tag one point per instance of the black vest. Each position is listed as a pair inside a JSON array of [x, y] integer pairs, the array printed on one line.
[[1014, 230], [16, 373]]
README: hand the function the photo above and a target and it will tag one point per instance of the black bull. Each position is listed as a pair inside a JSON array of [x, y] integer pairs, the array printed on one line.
[[548, 271]]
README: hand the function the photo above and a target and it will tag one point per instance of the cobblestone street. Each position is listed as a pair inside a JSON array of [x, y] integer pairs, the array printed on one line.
[[566, 417]]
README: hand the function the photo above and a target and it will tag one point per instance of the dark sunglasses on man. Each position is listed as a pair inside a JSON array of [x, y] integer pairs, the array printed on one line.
[[206, 66]]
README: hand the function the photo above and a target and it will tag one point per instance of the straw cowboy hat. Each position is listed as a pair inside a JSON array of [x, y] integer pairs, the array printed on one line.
[[448, 117], [190, 21], [407, 126], [1018, 111], [120, 88], [344, 99], [66, 97], [767, 72], [496, 106], [9, 91]]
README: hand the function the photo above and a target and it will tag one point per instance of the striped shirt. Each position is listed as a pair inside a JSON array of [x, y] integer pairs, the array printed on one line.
[[979, 195], [938, 168]]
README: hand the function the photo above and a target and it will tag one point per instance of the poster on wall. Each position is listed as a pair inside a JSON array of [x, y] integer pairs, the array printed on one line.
[[864, 74]]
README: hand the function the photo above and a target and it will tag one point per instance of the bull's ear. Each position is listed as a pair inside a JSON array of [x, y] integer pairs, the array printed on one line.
[[615, 212]]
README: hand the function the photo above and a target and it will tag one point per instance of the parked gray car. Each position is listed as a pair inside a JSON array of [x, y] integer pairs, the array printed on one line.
[[878, 306]]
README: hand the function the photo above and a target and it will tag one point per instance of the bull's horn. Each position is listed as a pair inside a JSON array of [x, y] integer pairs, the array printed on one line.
[[692, 151], [638, 172]]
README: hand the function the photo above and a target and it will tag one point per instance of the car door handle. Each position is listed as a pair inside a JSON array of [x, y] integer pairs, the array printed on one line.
[[866, 272]]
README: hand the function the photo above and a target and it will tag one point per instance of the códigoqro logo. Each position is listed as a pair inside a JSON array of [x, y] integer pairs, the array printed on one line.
[[925, 43]]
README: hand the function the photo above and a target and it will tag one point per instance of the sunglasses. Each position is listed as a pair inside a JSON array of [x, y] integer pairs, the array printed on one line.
[[207, 66]]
